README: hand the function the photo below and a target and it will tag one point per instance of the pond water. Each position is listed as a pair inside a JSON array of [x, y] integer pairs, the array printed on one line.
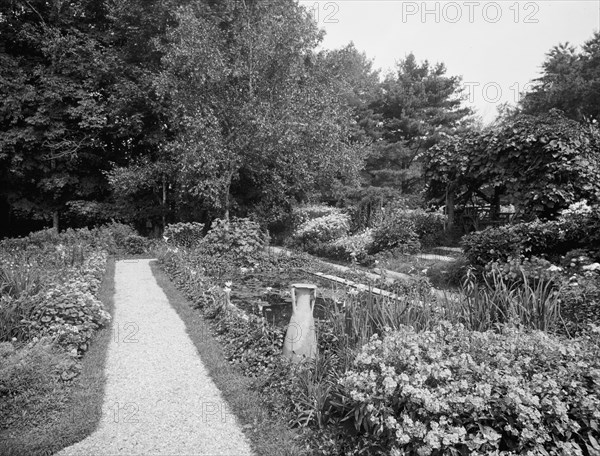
[[271, 292]]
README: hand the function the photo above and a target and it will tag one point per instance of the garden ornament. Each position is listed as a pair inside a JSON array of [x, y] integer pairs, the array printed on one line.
[[300, 339]]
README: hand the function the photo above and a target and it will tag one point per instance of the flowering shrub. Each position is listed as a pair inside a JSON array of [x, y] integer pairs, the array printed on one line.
[[451, 391], [303, 214], [70, 312], [577, 227], [396, 231], [491, 244], [429, 226], [579, 262], [239, 236], [323, 229], [534, 268], [349, 248], [184, 234]]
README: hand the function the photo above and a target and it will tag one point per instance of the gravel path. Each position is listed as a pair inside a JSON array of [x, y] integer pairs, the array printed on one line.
[[159, 398]]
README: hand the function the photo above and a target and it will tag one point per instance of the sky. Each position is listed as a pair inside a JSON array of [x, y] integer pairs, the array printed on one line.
[[497, 47]]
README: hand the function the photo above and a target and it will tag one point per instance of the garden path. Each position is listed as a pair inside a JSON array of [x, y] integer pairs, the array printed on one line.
[[159, 398]]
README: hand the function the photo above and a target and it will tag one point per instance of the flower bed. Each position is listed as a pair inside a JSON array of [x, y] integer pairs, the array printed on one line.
[[452, 391], [350, 403], [48, 296], [49, 312]]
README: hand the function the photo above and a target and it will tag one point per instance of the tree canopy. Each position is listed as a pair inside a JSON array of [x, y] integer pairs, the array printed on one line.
[[151, 111], [541, 164], [570, 81], [415, 105]]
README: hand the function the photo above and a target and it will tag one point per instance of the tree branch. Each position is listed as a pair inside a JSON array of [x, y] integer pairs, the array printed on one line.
[[35, 11]]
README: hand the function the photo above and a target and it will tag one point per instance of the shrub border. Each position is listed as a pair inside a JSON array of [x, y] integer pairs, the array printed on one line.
[[80, 415]]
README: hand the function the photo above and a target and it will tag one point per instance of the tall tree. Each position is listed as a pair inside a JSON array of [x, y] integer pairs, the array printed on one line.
[[570, 81], [54, 74], [142, 176], [416, 105], [255, 127]]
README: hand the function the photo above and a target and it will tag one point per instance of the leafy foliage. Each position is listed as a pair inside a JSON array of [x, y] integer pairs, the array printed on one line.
[[56, 71], [543, 164], [568, 82], [416, 104], [247, 135], [574, 229], [322, 229], [135, 244], [184, 234], [243, 237], [491, 244], [48, 287], [449, 389], [36, 368], [429, 226], [396, 231]]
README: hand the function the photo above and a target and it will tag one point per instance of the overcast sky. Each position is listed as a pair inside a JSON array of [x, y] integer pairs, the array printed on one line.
[[497, 47]]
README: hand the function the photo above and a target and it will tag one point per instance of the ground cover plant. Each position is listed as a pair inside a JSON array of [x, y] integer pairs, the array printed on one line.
[[451, 391]]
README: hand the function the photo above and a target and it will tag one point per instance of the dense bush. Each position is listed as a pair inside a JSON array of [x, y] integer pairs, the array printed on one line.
[[491, 244], [68, 312], [184, 234], [350, 249], [577, 227], [112, 236], [322, 229], [241, 236], [303, 214], [451, 391], [397, 231], [429, 226], [135, 244]]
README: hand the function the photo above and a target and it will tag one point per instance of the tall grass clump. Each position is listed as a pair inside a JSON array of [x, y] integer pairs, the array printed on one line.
[[496, 300]]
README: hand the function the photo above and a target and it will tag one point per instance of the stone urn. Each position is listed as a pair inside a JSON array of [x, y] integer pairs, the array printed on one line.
[[300, 339]]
